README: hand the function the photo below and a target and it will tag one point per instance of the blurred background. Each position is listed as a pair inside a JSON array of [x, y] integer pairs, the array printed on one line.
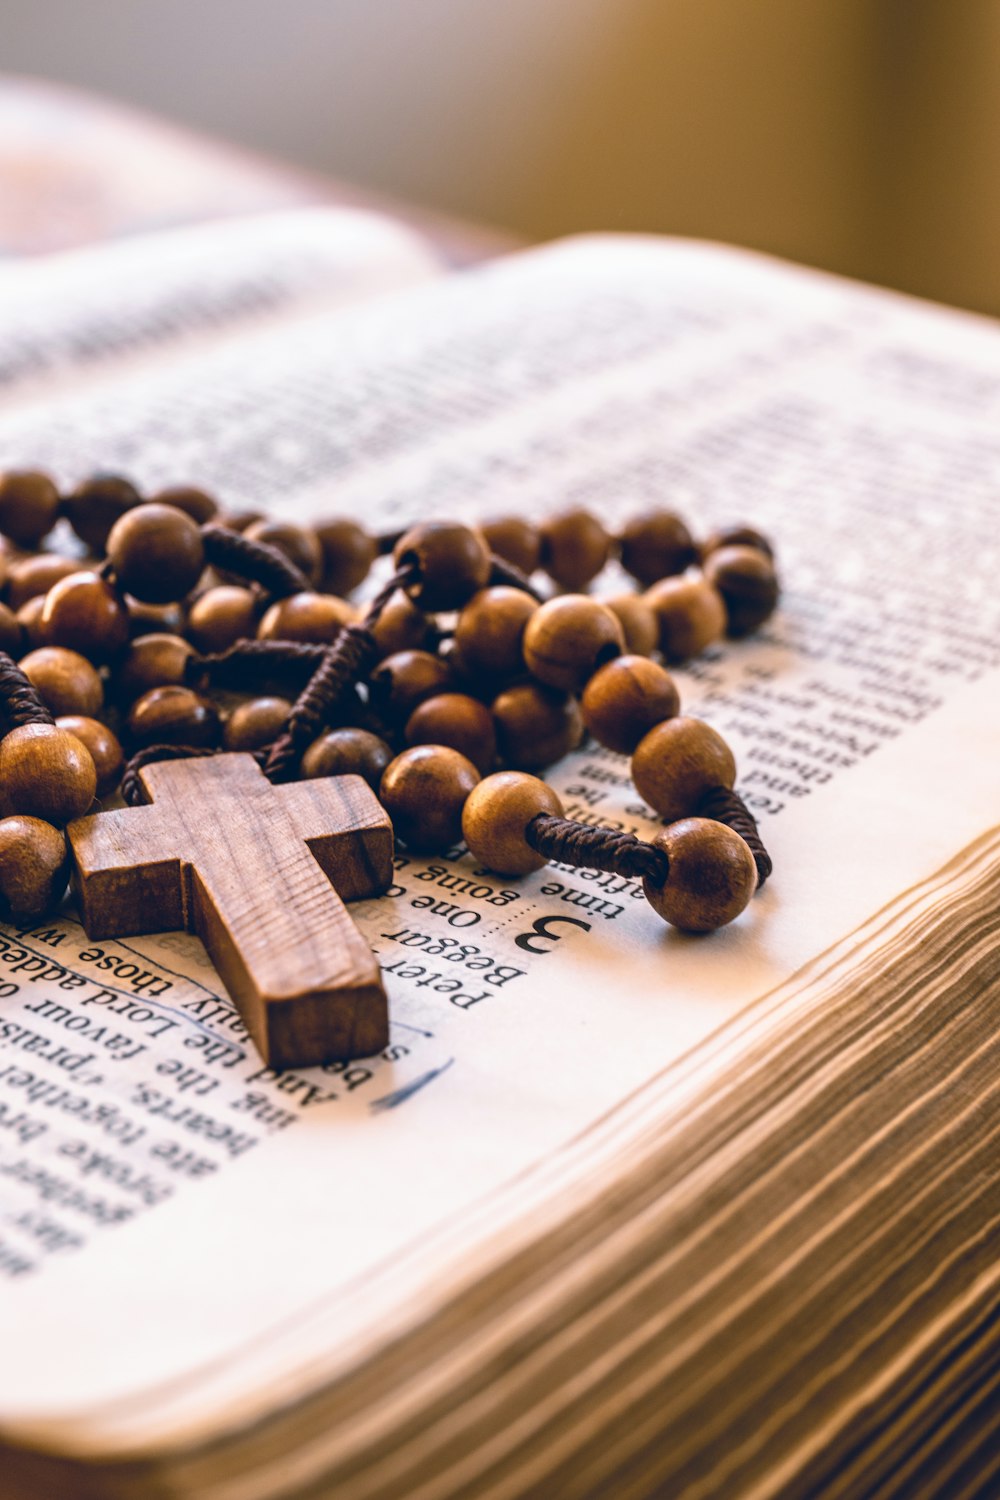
[[859, 135]]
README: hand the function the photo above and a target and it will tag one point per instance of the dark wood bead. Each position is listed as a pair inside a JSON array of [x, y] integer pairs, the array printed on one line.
[[239, 520], [221, 616], [624, 700], [575, 548], [452, 561], [316, 618], [690, 613], [174, 716], [84, 612], [736, 536], [638, 621], [34, 866], [94, 507], [256, 723], [489, 632], [46, 773], [656, 545], [405, 679], [424, 790], [157, 553], [535, 726], [746, 579], [11, 632], [677, 762], [568, 638], [29, 617], [105, 749], [711, 875], [195, 503], [30, 576], [348, 553], [401, 626], [347, 752], [155, 619], [152, 661], [496, 814], [66, 681], [456, 720], [516, 540], [29, 506], [299, 543]]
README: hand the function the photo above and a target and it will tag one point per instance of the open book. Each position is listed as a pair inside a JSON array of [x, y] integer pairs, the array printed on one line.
[[618, 1211]]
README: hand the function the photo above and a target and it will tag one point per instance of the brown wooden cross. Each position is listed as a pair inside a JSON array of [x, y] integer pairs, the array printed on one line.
[[258, 872]]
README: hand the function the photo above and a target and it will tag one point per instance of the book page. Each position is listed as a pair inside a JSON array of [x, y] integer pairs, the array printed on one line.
[[167, 1201]]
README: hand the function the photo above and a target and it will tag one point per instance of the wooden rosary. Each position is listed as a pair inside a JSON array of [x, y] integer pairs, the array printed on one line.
[[264, 817]]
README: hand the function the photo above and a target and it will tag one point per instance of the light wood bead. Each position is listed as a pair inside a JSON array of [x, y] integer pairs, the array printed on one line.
[[66, 682], [575, 548], [746, 579], [95, 505], [458, 721], [489, 632], [516, 540], [496, 814], [535, 725], [154, 619], [711, 876], [30, 576], [655, 545], [256, 723], [11, 632], [174, 716], [401, 626], [568, 638], [34, 866], [201, 507], [348, 553], [221, 616], [84, 612], [690, 613], [104, 746], [29, 506], [405, 679], [452, 562], [29, 617], [677, 762], [424, 791], [347, 752], [157, 553], [46, 773], [150, 662], [624, 700], [638, 621], [736, 536], [239, 520], [300, 544], [315, 618]]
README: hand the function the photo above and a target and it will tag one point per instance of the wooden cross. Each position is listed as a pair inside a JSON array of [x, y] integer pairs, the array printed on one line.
[[260, 873]]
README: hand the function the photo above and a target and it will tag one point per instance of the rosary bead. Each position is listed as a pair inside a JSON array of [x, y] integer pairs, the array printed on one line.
[[405, 679], [239, 520], [29, 617], [221, 616], [29, 506], [84, 611], [746, 579], [638, 622], [515, 540], [452, 562], [11, 632], [711, 875], [575, 548], [104, 747], [677, 762], [496, 814], [348, 553], [31, 576], [489, 631], [157, 553], [154, 619], [152, 661], [347, 752], [313, 618], [34, 866], [458, 721], [256, 723], [66, 681], [690, 613], [94, 507], [192, 501], [46, 773], [568, 638], [424, 790], [300, 544], [624, 700], [656, 545], [173, 716], [401, 626], [536, 726], [736, 536]]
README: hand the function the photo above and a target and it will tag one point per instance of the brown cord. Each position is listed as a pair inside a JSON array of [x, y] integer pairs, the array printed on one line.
[[596, 848], [257, 562], [249, 665], [348, 659], [502, 571], [132, 789], [386, 541], [19, 698], [728, 807]]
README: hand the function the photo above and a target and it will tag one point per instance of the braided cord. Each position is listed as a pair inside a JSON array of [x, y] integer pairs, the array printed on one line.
[[728, 807], [258, 562], [19, 698], [596, 848]]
